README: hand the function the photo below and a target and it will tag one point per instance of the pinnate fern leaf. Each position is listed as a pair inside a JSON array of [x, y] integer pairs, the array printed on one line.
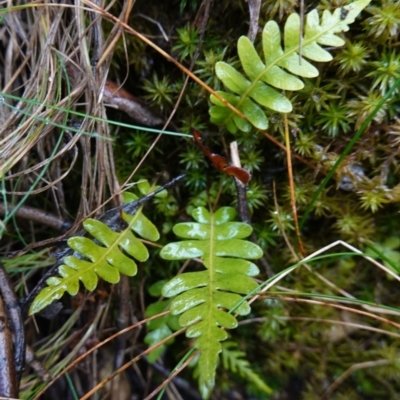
[[235, 360], [106, 257], [281, 68], [202, 298]]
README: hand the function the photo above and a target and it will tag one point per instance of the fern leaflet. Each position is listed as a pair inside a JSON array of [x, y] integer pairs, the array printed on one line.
[[103, 257], [203, 297], [281, 65]]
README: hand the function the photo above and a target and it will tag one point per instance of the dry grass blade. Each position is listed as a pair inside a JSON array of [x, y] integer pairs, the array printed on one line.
[[32, 134]]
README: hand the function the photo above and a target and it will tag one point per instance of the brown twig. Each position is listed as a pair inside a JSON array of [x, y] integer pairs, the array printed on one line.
[[8, 376], [291, 185], [122, 100], [37, 215], [15, 320]]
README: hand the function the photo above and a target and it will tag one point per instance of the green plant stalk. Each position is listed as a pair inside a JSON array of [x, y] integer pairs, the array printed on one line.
[[347, 150], [71, 386]]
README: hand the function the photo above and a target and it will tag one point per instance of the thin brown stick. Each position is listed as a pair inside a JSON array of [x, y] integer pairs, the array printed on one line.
[[8, 376], [14, 316], [291, 185], [37, 215]]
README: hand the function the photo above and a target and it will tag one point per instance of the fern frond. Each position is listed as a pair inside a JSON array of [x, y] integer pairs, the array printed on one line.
[[257, 87], [203, 297], [235, 360], [103, 257]]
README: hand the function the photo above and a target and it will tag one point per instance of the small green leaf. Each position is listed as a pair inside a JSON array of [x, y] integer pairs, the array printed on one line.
[[183, 282], [223, 215], [230, 98], [200, 214], [144, 187], [305, 69], [254, 114], [251, 62], [242, 124], [143, 227], [155, 289], [45, 298], [270, 98], [159, 328], [231, 78], [227, 230]]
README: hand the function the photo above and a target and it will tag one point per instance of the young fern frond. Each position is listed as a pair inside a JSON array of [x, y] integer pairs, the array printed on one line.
[[281, 65], [104, 257], [204, 297], [235, 360]]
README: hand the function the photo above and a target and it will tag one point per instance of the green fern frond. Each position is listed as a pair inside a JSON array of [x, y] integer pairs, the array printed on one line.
[[203, 297], [108, 256], [281, 67], [236, 361]]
